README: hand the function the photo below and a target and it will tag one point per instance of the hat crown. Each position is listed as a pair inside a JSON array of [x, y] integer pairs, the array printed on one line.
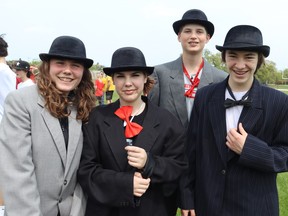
[[23, 65], [128, 57], [68, 46], [244, 37], [194, 14], [244, 34]]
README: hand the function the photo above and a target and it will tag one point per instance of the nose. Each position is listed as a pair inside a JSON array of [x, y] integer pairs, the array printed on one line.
[[128, 81], [240, 64], [67, 68]]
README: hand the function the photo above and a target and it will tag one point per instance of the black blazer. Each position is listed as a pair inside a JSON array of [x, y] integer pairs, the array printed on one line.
[[107, 178], [225, 184]]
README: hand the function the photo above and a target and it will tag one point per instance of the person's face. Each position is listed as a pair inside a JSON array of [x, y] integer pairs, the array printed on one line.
[[193, 38], [241, 66], [129, 86], [66, 74], [20, 74]]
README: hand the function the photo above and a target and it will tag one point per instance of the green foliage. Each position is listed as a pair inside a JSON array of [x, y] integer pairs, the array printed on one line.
[[214, 59]]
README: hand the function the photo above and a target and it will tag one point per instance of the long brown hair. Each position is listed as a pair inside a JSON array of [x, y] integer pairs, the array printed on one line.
[[57, 102]]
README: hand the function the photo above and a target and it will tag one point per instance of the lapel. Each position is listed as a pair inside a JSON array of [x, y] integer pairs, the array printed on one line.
[[54, 128], [114, 133], [75, 133], [207, 75], [148, 135], [251, 115], [178, 91], [216, 115]]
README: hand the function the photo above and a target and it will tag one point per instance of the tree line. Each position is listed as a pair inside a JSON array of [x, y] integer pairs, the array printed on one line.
[[267, 74]]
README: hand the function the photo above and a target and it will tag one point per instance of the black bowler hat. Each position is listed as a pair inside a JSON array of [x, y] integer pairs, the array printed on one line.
[[68, 47], [244, 37], [128, 59], [22, 65], [194, 16]]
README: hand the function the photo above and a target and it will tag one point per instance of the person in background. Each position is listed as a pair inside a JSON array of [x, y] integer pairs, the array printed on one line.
[[41, 135], [99, 86], [110, 88], [7, 76], [177, 81], [23, 72], [237, 141], [133, 153]]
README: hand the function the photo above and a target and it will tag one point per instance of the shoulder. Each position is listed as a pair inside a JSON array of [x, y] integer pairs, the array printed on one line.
[[214, 71], [169, 65], [163, 115]]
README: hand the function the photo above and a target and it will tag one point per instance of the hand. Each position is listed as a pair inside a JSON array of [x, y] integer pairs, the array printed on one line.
[[190, 212], [140, 185], [235, 140], [137, 156]]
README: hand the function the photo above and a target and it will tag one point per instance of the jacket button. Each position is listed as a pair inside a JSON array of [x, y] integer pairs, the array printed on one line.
[[65, 182], [223, 172]]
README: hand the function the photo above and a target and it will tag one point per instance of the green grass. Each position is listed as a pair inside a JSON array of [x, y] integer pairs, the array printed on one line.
[[282, 184]]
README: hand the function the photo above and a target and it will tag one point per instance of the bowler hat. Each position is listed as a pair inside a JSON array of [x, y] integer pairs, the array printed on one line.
[[128, 59], [68, 47], [22, 65], [194, 16], [244, 37]]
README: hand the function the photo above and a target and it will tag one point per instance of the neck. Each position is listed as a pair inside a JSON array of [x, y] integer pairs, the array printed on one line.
[[240, 87], [138, 106], [192, 63], [2, 60]]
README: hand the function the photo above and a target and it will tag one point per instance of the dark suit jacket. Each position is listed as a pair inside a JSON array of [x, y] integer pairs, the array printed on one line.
[[168, 91], [221, 184], [107, 178]]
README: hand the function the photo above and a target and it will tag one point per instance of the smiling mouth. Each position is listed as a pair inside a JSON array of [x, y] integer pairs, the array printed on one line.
[[240, 72], [65, 79]]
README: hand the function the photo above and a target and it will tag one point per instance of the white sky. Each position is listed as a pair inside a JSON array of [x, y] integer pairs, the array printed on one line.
[[104, 26]]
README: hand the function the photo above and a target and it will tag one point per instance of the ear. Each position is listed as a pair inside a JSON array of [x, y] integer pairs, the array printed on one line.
[[178, 36], [146, 77], [208, 37]]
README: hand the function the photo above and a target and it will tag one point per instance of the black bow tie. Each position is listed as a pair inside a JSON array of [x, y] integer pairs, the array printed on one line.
[[230, 103]]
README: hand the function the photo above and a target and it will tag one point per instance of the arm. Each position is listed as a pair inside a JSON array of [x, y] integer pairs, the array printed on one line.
[[187, 181], [18, 179], [269, 153]]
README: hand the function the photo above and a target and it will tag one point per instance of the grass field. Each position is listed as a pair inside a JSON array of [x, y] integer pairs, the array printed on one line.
[[282, 179]]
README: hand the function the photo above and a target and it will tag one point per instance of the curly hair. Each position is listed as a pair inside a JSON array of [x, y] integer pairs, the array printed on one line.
[[148, 85], [57, 102]]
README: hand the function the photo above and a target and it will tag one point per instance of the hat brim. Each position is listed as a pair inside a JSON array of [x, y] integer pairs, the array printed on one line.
[[46, 57], [109, 71], [265, 50], [208, 25]]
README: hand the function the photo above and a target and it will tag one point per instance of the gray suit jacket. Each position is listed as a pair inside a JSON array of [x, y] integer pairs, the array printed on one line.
[[169, 91], [38, 175]]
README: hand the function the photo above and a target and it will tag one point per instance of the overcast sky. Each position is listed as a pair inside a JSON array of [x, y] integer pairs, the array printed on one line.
[[104, 26]]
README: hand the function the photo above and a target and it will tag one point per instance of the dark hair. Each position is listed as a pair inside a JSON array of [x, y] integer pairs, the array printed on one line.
[[260, 62], [3, 47]]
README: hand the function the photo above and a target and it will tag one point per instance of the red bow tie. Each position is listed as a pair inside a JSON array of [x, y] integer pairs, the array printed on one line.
[[132, 129]]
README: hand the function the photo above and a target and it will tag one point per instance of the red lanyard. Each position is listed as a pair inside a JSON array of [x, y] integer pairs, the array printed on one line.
[[194, 82]]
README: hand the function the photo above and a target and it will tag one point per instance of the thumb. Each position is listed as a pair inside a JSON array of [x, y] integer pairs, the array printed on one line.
[[241, 129]]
